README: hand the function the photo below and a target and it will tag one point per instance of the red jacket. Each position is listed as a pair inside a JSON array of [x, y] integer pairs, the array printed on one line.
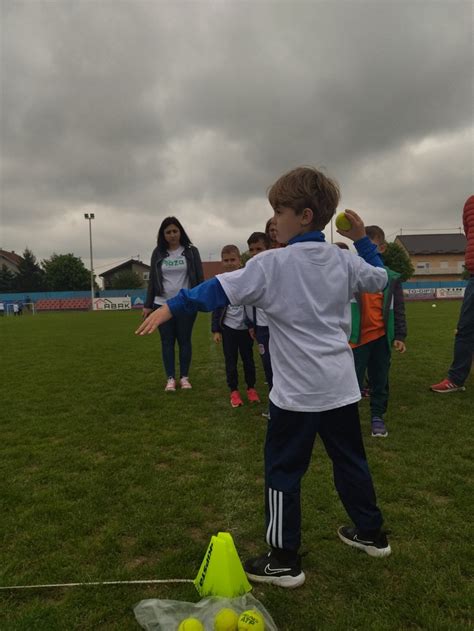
[[468, 221]]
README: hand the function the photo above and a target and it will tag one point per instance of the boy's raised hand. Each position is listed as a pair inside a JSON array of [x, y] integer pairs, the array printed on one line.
[[357, 229], [153, 321]]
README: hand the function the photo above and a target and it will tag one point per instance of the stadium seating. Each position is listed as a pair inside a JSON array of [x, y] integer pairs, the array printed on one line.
[[63, 304]]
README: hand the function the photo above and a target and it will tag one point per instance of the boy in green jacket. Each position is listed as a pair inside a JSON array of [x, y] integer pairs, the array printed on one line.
[[378, 323]]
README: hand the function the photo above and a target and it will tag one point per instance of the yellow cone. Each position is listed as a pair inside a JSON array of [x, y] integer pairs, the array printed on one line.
[[221, 572]]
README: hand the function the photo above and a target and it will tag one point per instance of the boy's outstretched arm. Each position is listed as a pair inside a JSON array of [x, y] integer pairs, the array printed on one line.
[[205, 297], [153, 321]]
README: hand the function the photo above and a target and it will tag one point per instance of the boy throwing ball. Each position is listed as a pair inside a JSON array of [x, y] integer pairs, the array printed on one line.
[[305, 290]]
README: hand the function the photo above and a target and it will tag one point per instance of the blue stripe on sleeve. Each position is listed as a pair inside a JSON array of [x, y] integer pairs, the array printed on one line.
[[368, 251], [205, 297]]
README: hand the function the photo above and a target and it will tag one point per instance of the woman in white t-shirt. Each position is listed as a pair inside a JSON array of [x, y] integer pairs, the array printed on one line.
[[175, 264]]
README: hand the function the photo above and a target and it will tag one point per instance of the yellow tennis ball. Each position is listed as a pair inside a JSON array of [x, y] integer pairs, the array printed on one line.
[[226, 620], [191, 624], [251, 620], [342, 222]]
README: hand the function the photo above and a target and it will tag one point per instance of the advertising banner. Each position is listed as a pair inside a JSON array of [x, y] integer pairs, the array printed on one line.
[[450, 292], [112, 304], [420, 294]]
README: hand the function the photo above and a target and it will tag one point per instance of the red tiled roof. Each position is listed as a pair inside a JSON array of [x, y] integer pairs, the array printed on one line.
[[15, 258]]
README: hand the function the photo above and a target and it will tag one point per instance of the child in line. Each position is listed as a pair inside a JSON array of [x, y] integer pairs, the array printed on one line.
[[378, 323], [259, 242], [229, 326], [305, 290], [271, 232]]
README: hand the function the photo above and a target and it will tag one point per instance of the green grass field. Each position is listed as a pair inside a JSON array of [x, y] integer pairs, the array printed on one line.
[[104, 477]]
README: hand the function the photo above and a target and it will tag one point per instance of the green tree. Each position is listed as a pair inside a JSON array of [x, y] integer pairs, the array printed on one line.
[[396, 258], [7, 279], [66, 272], [126, 280], [30, 276], [244, 257]]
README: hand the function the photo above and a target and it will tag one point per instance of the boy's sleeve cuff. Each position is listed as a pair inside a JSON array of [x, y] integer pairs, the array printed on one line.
[[176, 305], [363, 245]]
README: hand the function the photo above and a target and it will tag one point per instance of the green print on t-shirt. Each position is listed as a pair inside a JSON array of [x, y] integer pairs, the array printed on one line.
[[174, 262]]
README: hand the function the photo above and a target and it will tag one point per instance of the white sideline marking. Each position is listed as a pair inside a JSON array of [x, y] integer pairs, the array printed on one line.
[[152, 581]]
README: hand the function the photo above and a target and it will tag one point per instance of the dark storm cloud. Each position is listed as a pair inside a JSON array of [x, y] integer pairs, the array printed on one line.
[[140, 109]]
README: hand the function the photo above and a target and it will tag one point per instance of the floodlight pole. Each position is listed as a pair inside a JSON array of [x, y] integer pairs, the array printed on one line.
[[89, 217]]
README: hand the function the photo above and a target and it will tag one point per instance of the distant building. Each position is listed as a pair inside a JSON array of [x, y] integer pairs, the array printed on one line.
[[132, 265], [211, 269], [435, 256], [11, 260]]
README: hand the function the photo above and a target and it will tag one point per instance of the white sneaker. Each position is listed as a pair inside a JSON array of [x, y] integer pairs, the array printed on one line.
[[184, 383], [170, 385]]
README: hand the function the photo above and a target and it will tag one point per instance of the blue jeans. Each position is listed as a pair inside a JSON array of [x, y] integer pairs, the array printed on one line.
[[178, 329], [464, 341]]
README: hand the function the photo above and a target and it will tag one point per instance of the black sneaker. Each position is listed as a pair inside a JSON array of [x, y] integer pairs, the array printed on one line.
[[377, 546], [268, 569]]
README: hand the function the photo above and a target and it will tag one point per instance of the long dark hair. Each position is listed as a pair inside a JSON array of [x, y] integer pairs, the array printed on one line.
[[162, 243]]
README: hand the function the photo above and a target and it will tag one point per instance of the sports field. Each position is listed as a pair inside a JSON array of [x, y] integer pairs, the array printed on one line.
[[104, 477]]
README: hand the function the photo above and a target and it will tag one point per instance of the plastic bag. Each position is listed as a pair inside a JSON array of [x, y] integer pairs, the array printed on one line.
[[166, 615]]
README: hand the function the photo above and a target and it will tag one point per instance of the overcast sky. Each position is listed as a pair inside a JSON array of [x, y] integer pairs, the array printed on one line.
[[136, 110]]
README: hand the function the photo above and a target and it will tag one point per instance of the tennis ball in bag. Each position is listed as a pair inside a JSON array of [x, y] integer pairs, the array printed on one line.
[[226, 620], [191, 624], [251, 620]]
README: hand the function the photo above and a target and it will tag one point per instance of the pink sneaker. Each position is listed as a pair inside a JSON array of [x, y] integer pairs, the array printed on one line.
[[446, 386], [184, 383], [252, 395], [235, 399], [170, 385]]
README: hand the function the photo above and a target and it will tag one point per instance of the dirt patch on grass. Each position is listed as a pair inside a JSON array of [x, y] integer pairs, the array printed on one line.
[[137, 562], [162, 466]]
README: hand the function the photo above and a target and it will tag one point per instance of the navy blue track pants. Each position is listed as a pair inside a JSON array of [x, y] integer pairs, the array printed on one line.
[[288, 448]]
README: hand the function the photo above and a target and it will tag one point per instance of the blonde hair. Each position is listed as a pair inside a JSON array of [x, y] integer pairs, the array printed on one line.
[[230, 249]]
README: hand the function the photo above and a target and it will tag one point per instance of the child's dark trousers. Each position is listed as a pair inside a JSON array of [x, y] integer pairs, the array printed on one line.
[[233, 343], [263, 339], [288, 449], [374, 357]]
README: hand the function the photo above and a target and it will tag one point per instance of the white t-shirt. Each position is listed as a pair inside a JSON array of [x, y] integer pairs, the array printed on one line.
[[305, 290], [175, 275], [259, 315], [235, 318]]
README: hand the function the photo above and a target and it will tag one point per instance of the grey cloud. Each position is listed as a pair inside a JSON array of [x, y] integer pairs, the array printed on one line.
[[148, 109]]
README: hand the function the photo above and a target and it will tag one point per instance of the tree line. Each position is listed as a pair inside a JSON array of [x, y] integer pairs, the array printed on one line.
[[66, 272], [61, 272]]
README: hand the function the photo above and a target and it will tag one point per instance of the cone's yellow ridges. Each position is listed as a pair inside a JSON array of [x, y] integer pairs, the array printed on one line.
[[221, 572]]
